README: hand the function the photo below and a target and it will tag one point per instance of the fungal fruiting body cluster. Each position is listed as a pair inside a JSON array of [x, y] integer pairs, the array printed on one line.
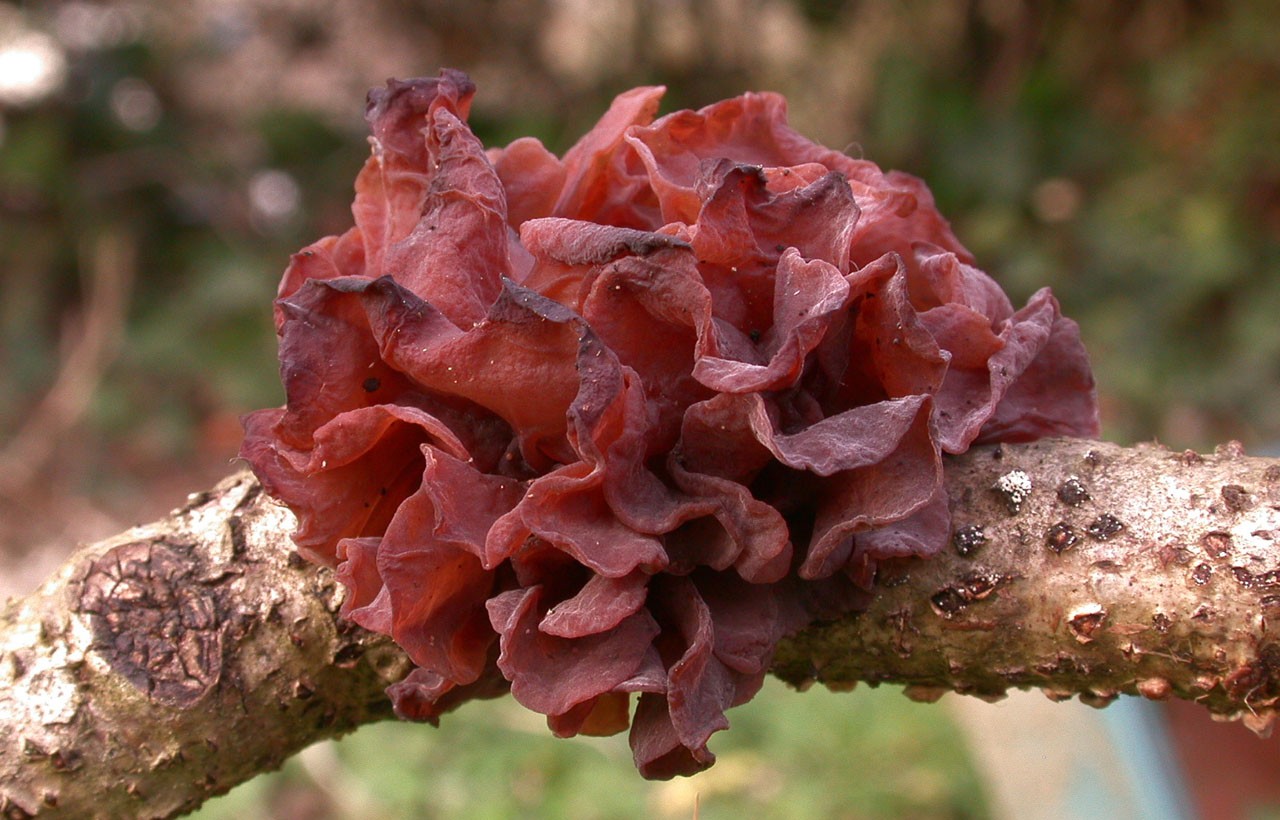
[[609, 425]]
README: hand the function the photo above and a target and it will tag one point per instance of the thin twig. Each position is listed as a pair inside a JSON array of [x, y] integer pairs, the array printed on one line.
[[108, 263]]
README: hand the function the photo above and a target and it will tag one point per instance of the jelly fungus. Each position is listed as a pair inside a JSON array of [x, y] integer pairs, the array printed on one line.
[[608, 425]]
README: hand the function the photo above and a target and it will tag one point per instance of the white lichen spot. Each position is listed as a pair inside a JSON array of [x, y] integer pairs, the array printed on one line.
[[44, 692], [1015, 488], [1176, 492]]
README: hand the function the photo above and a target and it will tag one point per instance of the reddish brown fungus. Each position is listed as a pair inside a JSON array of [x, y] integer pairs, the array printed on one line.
[[1217, 544], [1073, 492], [1104, 526], [1155, 688], [612, 423], [1061, 536], [1235, 497], [1086, 621], [967, 540]]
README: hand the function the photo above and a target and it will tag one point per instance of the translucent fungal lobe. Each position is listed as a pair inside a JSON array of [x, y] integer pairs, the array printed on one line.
[[604, 427]]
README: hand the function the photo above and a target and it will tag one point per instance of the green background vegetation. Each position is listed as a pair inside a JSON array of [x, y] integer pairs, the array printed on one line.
[[819, 756]]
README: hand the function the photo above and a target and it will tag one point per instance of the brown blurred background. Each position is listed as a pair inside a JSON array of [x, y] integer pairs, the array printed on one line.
[[159, 161]]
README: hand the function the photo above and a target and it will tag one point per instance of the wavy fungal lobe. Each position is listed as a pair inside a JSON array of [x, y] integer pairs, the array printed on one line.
[[607, 426]]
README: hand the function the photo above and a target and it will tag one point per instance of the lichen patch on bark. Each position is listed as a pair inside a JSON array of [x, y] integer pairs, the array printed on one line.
[[153, 622]]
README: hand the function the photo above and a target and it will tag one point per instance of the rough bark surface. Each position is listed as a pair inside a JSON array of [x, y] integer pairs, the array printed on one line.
[[1084, 569], [175, 660]]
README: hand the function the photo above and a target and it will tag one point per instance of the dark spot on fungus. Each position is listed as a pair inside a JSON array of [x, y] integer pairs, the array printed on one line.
[[968, 539], [1072, 492], [1190, 458], [1161, 622], [1093, 458], [1201, 574], [1272, 475], [371, 384], [1104, 526], [1217, 544], [1060, 537], [1235, 497], [1270, 602]]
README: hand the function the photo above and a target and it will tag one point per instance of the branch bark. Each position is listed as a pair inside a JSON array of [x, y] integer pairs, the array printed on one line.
[[173, 661]]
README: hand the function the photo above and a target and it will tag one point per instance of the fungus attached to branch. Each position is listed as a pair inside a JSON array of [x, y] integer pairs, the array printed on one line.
[[611, 424]]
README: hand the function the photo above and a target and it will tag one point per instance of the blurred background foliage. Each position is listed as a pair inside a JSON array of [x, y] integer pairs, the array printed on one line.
[[160, 161]]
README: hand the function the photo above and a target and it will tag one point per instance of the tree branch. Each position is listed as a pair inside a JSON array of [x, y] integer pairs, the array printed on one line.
[[1124, 571], [173, 661], [169, 663]]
